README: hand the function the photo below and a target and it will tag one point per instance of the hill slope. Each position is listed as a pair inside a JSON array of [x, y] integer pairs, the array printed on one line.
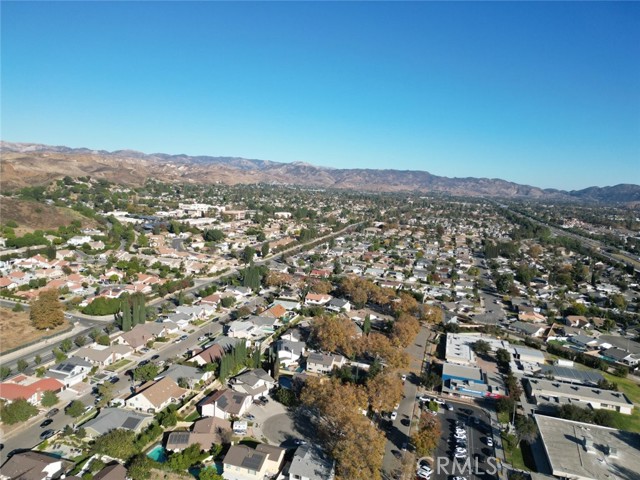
[[32, 164]]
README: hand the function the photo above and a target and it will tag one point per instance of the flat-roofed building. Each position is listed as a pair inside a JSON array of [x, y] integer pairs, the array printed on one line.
[[549, 393], [582, 451]]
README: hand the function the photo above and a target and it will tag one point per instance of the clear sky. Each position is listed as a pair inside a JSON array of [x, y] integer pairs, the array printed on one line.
[[546, 93]]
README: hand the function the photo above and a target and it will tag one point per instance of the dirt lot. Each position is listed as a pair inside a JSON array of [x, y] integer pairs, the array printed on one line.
[[16, 329]]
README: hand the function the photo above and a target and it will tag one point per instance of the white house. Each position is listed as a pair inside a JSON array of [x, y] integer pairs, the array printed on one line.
[[154, 396], [225, 403], [253, 383]]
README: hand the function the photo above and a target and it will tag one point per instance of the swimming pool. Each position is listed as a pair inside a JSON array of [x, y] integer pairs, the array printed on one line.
[[158, 453]]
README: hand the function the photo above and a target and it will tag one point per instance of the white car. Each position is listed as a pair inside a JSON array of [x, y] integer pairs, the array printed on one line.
[[460, 455], [490, 441], [461, 450], [394, 415], [423, 474], [404, 378]]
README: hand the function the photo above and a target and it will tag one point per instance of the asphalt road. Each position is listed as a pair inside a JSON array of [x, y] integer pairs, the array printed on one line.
[[399, 434]]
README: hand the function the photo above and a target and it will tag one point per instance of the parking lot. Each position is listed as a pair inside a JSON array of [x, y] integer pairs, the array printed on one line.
[[475, 424]]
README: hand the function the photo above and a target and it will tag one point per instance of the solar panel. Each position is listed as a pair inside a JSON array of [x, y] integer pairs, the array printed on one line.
[[131, 423], [181, 438], [253, 461]]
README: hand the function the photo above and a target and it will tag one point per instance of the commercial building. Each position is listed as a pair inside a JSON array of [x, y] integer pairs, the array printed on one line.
[[582, 451], [547, 394]]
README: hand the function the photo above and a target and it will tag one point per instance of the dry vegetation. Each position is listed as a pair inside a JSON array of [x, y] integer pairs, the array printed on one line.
[[31, 216], [16, 329]]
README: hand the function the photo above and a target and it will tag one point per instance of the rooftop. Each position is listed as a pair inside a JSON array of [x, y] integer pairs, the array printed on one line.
[[583, 451]]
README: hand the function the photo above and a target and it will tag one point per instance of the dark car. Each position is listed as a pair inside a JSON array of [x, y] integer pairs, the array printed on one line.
[[114, 379], [51, 413], [46, 434], [155, 357], [143, 363], [46, 423]]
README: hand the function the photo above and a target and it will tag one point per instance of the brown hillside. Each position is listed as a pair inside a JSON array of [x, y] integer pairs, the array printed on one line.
[[32, 216]]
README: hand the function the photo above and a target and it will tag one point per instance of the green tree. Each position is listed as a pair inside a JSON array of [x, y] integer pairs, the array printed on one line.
[[126, 319], [17, 308], [80, 341], [248, 254], [116, 443], [66, 345], [75, 409], [139, 467], [37, 360], [105, 393], [17, 411], [264, 251], [146, 372], [481, 347], [366, 326], [4, 372], [22, 365], [49, 399], [526, 429]]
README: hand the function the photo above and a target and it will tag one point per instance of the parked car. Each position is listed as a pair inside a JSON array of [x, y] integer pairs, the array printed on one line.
[[51, 413], [46, 423], [114, 379], [184, 337], [394, 415], [46, 434], [155, 357], [448, 406], [490, 441]]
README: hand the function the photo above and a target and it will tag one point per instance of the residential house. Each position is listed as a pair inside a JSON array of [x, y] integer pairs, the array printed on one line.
[[622, 356], [33, 466], [113, 471], [322, 363], [289, 352], [190, 375], [7, 283], [116, 418], [153, 396], [338, 305], [139, 335], [225, 404], [310, 463], [317, 299], [275, 311], [244, 463], [212, 353], [103, 356], [28, 388], [577, 321], [527, 329], [71, 371], [207, 432], [254, 383]]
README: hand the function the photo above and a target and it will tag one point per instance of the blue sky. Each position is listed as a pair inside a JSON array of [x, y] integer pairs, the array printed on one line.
[[546, 94]]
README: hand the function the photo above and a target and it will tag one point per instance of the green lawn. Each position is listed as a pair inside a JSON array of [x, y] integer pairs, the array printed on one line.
[[631, 389], [512, 452], [192, 417], [118, 365]]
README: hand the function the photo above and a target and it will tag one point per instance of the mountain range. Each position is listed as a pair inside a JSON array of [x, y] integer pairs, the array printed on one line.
[[28, 164]]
